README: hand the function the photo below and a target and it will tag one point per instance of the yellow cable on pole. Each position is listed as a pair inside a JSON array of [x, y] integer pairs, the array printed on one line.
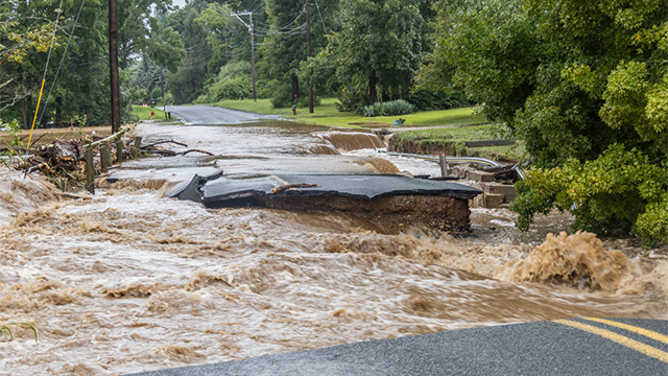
[[36, 111], [46, 68]]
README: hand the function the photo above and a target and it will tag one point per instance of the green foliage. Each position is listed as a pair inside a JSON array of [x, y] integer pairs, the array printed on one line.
[[584, 85], [233, 82], [392, 108], [284, 47], [14, 130], [376, 51], [9, 335], [425, 100], [617, 194], [156, 93]]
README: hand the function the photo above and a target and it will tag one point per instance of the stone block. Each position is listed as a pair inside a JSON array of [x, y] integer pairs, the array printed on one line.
[[493, 200], [507, 190], [481, 176]]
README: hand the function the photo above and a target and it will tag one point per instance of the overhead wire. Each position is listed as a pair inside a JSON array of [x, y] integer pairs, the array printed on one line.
[[39, 99], [53, 83]]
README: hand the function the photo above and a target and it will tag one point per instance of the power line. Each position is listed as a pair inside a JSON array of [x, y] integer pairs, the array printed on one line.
[[53, 39], [53, 83]]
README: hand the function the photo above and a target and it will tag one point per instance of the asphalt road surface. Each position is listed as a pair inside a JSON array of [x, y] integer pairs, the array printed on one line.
[[562, 347], [201, 114]]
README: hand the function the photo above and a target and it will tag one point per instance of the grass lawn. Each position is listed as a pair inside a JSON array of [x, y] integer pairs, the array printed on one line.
[[456, 138], [327, 114], [144, 113]]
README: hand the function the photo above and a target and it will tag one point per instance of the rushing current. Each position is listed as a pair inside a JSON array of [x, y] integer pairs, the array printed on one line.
[[127, 281]]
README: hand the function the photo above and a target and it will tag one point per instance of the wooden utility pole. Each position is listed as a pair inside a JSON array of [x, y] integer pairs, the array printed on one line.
[[113, 67], [250, 29], [309, 52], [252, 54]]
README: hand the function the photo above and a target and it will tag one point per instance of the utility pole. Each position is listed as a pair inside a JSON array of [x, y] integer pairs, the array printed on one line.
[[250, 29], [308, 48], [113, 67]]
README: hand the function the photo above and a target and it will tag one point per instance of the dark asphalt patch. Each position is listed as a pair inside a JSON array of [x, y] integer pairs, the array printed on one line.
[[544, 348], [223, 192]]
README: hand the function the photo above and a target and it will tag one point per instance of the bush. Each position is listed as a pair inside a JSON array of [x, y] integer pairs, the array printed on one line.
[[233, 82], [438, 100], [202, 99], [392, 108]]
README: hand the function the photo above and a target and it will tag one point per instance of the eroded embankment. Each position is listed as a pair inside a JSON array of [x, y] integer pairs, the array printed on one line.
[[130, 281]]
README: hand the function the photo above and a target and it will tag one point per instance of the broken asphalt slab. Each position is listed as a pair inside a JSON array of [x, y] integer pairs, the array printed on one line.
[[215, 191]]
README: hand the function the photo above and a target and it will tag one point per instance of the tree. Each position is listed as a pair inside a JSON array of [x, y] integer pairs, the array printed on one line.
[[378, 45], [165, 49], [584, 85], [285, 44]]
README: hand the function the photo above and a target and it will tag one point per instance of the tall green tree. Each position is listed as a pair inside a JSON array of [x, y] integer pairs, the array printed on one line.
[[285, 43], [378, 46], [584, 85]]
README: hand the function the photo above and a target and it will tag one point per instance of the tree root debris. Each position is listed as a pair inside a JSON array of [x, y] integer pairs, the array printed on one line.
[[63, 161]]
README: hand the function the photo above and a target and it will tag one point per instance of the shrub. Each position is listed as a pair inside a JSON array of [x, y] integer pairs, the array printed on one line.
[[392, 108]]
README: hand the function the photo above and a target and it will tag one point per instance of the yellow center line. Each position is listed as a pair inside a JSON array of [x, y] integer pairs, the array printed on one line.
[[647, 333], [620, 339]]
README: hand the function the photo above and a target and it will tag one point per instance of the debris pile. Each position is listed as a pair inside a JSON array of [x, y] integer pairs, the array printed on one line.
[[64, 161]]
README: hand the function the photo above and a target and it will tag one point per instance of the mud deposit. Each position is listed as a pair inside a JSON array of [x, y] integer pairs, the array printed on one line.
[[129, 281]]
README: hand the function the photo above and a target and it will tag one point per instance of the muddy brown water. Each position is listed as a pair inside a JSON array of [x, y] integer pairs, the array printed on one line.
[[129, 281]]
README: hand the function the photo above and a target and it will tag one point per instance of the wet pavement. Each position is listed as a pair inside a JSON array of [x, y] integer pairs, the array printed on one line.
[[200, 114], [542, 348]]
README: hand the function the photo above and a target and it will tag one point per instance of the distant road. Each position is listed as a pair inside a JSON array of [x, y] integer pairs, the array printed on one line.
[[202, 114]]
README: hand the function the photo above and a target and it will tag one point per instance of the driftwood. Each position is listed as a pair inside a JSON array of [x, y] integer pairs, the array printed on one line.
[[172, 153], [72, 196], [61, 152], [163, 142], [290, 186], [500, 169]]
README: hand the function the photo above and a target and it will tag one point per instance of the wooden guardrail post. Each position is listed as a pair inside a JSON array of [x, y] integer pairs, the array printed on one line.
[[105, 157], [119, 151], [134, 152], [90, 170]]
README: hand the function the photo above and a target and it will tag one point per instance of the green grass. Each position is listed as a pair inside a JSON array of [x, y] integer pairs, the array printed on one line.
[[144, 113], [327, 114], [455, 117], [455, 138]]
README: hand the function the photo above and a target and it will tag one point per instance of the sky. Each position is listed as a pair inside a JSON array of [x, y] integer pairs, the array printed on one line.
[[180, 3]]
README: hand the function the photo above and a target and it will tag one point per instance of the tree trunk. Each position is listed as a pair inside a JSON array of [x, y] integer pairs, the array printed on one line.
[[59, 112], [372, 87], [25, 113], [295, 88], [162, 82], [23, 101]]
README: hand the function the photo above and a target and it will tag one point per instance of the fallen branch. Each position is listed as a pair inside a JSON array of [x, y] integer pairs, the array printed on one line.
[[290, 186], [163, 142], [113, 136], [197, 151], [72, 196], [172, 153]]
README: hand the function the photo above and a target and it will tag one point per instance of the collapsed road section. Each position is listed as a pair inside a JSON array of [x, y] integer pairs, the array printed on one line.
[[391, 202]]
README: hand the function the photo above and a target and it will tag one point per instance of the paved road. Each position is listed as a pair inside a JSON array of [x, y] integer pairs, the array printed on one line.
[[201, 114], [563, 347]]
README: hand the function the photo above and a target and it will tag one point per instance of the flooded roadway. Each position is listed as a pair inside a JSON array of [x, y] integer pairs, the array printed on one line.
[[129, 281]]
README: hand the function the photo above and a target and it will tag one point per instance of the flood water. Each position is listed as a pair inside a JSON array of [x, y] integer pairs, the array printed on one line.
[[130, 281]]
